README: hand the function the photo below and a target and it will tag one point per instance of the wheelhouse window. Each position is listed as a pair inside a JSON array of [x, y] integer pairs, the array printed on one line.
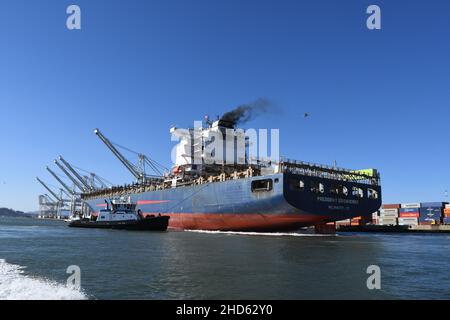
[[262, 185]]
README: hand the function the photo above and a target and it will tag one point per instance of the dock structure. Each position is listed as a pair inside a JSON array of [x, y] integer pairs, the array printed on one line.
[[48, 209], [396, 228]]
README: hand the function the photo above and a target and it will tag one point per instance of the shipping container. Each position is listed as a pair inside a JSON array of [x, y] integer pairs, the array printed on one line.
[[390, 206], [403, 210], [447, 206], [389, 210], [411, 205], [446, 220], [431, 214], [388, 215], [433, 204], [387, 218], [408, 221], [447, 213], [384, 222], [409, 214]]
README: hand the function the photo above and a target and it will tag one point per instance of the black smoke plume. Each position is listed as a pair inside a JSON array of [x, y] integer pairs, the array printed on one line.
[[246, 112]]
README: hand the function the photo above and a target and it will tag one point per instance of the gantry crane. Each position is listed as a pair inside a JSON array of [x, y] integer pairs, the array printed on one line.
[[138, 175], [75, 181], [137, 171], [86, 186], [65, 186], [49, 190]]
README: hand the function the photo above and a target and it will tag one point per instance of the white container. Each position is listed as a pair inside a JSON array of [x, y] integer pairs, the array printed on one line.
[[389, 211], [387, 221], [375, 215], [389, 215], [408, 221], [411, 205], [447, 206]]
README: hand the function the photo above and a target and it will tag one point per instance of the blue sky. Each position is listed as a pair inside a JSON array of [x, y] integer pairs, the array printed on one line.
[[376, 98]]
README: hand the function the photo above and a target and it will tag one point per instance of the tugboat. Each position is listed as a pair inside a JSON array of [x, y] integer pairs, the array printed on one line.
[[121, 214]]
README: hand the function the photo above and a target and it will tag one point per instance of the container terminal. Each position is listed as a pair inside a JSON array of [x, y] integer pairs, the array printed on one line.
[[406, 217]]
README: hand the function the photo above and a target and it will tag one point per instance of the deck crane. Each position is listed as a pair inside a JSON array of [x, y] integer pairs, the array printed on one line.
[[75, 181], [138, 175], [71, 192], [86, 186], [137, 171], [49, 190]]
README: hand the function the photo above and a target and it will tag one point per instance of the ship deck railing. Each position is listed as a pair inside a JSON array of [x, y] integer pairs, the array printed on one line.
[[328, 172]]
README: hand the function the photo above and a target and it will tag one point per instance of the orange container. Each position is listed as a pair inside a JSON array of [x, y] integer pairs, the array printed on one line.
[[409, 214], [390, 206], [447, 213]]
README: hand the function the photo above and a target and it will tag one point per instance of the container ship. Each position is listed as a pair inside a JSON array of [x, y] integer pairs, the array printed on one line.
[[246, 195]]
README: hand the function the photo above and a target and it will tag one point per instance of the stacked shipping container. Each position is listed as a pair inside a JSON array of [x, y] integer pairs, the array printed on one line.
[[446, 215], [412, 214], [431, 212], [389, 215], [409, 214]]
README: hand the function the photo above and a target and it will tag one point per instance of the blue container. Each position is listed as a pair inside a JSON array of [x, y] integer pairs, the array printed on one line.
[[446, 220], [433, 204], [402, 210], [430, 213]]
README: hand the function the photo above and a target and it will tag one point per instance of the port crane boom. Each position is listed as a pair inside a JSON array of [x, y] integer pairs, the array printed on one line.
[[119, 156], [48, 199], [72, 170], [72, 193], [49, 190], [66, 193], [75, 182]]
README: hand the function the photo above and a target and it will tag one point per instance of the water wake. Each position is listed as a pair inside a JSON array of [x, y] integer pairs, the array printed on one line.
[[14, 285], [272, 234]]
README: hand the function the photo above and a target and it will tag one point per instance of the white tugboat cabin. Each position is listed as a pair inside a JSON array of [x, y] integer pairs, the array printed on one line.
[[121, 210]]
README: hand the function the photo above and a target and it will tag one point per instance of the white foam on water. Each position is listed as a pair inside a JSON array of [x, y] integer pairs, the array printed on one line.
[[272, 234], [14, 285]]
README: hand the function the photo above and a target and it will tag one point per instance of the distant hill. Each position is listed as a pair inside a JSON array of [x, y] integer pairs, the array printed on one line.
[[12, 213]]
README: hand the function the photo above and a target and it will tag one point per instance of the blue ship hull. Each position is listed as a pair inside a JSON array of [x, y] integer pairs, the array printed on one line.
[[234, 205]]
